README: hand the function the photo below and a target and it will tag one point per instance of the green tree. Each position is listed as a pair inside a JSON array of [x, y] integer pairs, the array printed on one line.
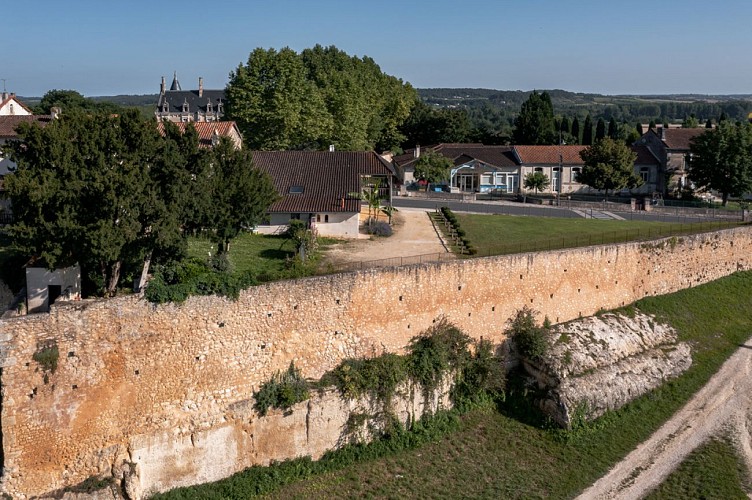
[[71, 100], [535, 123], [721, 159], [608, 166], [600, 129], [709, 123], [275, 105], [537, 181], [564, 126], [433, 167], [587, 131], [576, 130], [639, 130], [240, 193], [651, 125], [429, 125], [613, 130], [690, 121]]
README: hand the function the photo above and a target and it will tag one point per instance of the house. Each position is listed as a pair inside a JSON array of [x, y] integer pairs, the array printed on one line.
[[209, 133], [670, 147], [562, 163], [44, 286], [178, 105], [321, 188], [11, 106], [476, 167]]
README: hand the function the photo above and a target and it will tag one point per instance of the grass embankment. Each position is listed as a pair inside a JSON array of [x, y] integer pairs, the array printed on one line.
[[504, 234], [711, 471], [511, 451]]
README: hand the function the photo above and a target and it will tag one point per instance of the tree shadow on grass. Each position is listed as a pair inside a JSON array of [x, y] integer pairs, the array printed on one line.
[[276, 253], [519, 402]]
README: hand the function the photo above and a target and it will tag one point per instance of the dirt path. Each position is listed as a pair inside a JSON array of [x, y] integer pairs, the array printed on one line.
[[413, 235], [727, 397]]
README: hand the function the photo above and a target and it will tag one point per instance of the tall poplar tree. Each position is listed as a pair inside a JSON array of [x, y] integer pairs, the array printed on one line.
[[587, 131], [535, 123], [600, 129], [576, 130], [613, 129]]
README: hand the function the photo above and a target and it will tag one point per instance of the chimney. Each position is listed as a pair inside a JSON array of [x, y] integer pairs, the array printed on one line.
[[162, 86], [5, 96], [55, 112], [331, 148], [663, 133], [200, 86], [342, 202], [416, 153]]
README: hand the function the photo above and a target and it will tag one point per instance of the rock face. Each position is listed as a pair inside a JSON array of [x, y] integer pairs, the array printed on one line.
[[601, 363]]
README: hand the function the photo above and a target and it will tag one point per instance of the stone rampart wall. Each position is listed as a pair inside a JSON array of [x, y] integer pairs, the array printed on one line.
[[131, 373]]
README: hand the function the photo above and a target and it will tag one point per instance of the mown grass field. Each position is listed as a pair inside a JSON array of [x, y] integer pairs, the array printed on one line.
[[510, 451], [502, 234]]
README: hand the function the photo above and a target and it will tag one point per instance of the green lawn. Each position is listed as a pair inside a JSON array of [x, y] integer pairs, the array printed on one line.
[[262, 254], [712, 471], [502, 234], [510, 451]]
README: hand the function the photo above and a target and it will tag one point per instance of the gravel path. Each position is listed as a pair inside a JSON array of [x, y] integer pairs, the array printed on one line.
[[413, 235], [726, 398]]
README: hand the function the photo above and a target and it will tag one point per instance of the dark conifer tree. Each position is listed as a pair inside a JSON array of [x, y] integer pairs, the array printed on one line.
[[600, 129], [587, 131], [576, 129]]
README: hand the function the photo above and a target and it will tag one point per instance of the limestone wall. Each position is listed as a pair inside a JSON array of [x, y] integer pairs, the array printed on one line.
[[131, 373]]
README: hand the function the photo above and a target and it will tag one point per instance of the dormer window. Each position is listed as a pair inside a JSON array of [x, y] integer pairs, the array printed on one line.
[[185, 106], [209, 107], [219, 106], [165, 107]]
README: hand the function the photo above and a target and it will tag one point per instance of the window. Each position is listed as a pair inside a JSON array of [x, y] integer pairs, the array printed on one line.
[[575, 173], [318, 217], [645, 174], [185, 107], [326, 217], [538, 169], [486, 179], [11, 108], [294, 216], [296, 189]]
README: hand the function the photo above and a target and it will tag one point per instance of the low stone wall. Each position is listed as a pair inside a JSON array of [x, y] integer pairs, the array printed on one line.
[[130, 372], [601, 363]]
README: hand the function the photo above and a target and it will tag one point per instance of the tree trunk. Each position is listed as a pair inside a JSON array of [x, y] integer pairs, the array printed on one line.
[[725, 199], [141, 283], [114, 278]]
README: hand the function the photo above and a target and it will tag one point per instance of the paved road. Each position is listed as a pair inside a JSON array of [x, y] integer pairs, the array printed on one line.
[[508, 208]]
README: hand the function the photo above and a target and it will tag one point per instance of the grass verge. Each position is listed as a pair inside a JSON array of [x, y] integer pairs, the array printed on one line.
[[711, 471], [504, 234], [511, 451]]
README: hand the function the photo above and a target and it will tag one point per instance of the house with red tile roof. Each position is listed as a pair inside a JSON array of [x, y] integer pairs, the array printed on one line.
[[671, 147], [209, 133], [319, 186], [11, 106], [561, 164]]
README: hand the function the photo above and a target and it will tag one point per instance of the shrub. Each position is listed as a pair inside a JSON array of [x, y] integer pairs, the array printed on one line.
[[47, 357], [483, 374], [378, 376], [532, 341], [435, 351], [282, 391], [176, 281], [379, 228]]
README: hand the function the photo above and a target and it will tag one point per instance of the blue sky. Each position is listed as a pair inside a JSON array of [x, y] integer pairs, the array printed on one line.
[[605, 46]]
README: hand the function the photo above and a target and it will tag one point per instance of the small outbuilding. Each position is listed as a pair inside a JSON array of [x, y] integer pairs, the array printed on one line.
[[44, 287]]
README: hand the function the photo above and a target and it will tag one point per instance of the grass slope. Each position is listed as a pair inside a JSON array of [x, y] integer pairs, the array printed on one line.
[[713, 471], [510, 451], [502, 234]]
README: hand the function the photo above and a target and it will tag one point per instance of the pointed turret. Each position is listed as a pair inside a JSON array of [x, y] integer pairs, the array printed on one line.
[[175, 83]]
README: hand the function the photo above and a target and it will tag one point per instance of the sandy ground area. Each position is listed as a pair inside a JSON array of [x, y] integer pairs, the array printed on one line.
[[723, 405], [413, 235]]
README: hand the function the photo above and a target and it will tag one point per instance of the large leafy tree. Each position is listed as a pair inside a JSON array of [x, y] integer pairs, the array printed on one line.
[[433, 167], [71, 100], [721, 159], [608, 166], [322, 96], [535, 123], [274, 103], [430, 125]]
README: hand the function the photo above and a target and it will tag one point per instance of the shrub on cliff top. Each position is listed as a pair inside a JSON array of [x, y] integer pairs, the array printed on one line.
[[282, 391], [378, 376], [440, 348]]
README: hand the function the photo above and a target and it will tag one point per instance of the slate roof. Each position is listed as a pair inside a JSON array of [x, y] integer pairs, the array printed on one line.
[[205, 130], [644, 156], [459, 153], [176, 98], [679, 138], [8, 123], [326, 178], [536, 155]]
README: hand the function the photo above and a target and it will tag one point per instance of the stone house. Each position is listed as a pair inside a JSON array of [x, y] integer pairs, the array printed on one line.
[[178, 105], [562, 164], [671, 147], [319, 187], [45, 286]]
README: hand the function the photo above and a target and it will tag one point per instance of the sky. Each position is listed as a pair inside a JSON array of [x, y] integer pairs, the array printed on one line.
[[602, 46]]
